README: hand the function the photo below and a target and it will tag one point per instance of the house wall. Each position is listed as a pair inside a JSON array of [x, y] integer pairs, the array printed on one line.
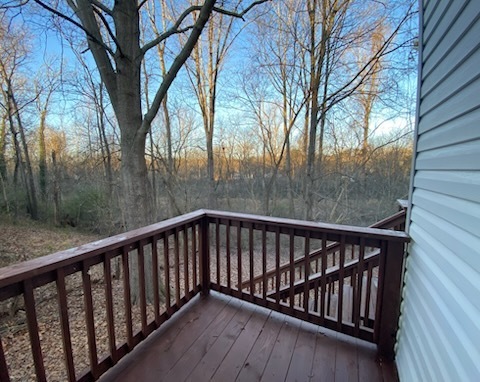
[[439, 336]]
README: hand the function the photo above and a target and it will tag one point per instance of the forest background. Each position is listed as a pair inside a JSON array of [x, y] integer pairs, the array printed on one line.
[[299, 108]]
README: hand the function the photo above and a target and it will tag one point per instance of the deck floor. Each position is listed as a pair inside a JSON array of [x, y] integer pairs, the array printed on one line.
[[219, 338]]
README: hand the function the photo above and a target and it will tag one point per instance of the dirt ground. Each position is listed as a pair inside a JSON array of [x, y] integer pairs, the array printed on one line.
[[26, 240]]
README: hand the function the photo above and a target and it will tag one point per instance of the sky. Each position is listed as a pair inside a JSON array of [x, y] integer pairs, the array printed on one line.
[[50, 44]]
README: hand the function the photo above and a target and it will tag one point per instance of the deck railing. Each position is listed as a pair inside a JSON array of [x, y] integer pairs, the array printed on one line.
[[116, 291], [395, 222]]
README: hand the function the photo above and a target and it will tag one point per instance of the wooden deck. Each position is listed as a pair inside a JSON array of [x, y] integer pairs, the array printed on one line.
[[221, 338]]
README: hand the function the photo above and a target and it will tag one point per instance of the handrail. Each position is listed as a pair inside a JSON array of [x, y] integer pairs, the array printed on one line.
[[20, 272], [394, 221], [331, 274], [285, 224], [172, 261]]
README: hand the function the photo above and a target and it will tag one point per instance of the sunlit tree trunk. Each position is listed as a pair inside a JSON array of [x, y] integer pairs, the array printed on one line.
[[3, 146], [42, 156], [23, 163]]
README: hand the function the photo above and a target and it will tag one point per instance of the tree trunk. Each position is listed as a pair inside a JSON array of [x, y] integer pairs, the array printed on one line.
[[23, 163], [28, 165], [212, 198], [3, 146], [42, 157], [56, 190], [105, 145]]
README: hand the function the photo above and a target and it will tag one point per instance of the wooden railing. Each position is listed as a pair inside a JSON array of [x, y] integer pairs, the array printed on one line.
[[358, 267], [394, 222], [161, 262], [128, 285]]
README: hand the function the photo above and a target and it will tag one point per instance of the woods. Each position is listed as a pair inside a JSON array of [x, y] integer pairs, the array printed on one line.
[[291, 108]]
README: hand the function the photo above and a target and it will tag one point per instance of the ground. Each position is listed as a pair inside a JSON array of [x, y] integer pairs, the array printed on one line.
[[27, 239]]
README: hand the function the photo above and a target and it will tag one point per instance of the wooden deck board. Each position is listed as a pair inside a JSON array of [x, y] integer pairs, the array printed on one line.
[[221, 338], [257, 359], [200, 348], [279, 361], [323, 366], [237, 356], [223, 343], [300, 368], [346, 360]]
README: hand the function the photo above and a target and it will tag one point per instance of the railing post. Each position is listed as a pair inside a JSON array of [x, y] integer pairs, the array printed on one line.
[[390, 299], [205, 256]]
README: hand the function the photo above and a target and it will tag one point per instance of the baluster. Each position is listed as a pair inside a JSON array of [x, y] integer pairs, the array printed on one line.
[[341, 275], [227, 228], [250, 250], [3, 366], [107, 270], [368, 295], [324, 278], [204, 244], [177, 268], [292, 267], [33, 329], [381, 278], [329, 296], [194, 257], [127, 297], [316, 285], [306, 286], [64, 323], [239, 255], [277, 266], [90, 324], [141, 282], [264, 263], [186, 278], [155, 279], [357, 302], [166, 260], [217, 247]]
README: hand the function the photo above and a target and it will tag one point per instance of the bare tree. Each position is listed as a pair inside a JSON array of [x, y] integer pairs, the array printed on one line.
[[208, 58], [113, 38], [3, 146], [333, 30], [12, 55], [45, 86], [277, 56]]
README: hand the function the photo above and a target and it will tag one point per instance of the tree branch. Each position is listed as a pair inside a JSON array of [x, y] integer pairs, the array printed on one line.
[[164, 36], [239, 15], [205, 12], [103, 7], [142, 4], [175, 28], [109, 30], [13, 4], [77, 24]]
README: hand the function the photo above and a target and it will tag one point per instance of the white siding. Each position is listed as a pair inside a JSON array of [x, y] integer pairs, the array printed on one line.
[[439, 336]]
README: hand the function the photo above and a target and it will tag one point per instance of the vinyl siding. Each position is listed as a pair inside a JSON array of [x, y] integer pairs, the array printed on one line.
[[440, 315]]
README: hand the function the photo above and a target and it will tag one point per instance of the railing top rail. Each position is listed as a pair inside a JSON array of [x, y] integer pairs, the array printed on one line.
[[366, 232], [19, 272], [396, 218], [403, 203]]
